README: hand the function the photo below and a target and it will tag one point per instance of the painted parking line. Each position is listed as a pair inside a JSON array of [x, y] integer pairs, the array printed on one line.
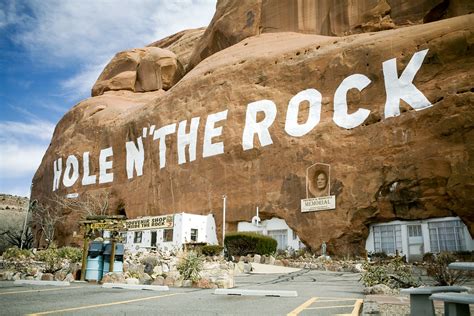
[[326, 307], [102, 305], [302, 307], [43, 290], [316, 300]]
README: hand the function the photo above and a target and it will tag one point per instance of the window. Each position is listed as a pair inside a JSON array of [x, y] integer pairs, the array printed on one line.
[[414, 230], [168, 235], [281, 236], [123, 237], [137, 237], [194, 234], [294, 235], [447, 236], [388, 238]]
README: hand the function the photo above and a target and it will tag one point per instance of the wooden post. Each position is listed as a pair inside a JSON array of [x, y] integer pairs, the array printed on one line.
[[85, 251], [112, 256]]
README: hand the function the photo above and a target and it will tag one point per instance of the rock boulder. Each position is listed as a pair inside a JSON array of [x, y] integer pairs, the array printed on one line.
[[413, 165], [140, 70]]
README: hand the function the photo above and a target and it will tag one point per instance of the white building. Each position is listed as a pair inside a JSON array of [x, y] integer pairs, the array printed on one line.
[[275, 228], [169, 231], [414, 238]]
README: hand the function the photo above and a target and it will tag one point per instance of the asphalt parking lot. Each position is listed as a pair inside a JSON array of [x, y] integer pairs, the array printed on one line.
[[319, 293]]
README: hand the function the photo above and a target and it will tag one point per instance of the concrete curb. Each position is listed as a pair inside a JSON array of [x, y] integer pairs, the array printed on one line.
[[135, 287], [243, 292], [260, 268], [39, 282]]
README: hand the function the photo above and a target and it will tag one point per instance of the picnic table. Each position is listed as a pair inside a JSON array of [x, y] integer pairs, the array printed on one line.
[[456, 304], [467, 266]]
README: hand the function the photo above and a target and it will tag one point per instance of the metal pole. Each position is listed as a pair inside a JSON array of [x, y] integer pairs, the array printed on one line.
[[258, 218], [224, 197], [26, 218]]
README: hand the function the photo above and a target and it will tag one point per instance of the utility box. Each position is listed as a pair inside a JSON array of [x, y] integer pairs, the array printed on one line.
[[118, 260], [95, 261]]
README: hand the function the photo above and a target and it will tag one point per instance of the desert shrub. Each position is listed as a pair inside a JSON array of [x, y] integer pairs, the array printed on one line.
[[428, 257], [438, 270], [466, 256], [190, 266], [394, 273], [150, 260], [16, 253], [379, 257], [244, 243], [17, 259], [211, 250], [51, 259], [73, 254]]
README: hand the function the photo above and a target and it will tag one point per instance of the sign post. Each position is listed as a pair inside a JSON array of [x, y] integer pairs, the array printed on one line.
[[224, 197]]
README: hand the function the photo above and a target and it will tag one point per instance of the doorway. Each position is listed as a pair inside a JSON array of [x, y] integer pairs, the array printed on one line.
[[415, 243]]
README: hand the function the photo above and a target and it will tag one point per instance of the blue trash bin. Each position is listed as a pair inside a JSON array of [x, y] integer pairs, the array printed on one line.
[[118, 262], [95, 261]]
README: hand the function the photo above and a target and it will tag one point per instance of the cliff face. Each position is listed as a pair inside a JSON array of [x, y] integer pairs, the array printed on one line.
[[250, 119]]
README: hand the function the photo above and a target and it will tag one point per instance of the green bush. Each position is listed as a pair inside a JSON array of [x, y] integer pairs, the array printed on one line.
[[244, 243], [17, 253], [73, 254], [211, 250], [190, 266], [394, 273]]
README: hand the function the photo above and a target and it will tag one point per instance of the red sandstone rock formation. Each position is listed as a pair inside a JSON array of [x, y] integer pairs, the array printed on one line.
[[413, 166]]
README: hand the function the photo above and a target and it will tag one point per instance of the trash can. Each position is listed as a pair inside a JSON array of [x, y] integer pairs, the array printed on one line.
[[94, 261], [118, 261]]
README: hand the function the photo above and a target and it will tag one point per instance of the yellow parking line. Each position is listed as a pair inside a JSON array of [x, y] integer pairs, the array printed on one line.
[[326, 307], [43, 290], [303, 306], [336, 300], [357, 306], [102, 305]]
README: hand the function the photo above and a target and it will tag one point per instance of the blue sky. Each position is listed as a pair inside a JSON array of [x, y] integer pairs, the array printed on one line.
[[51, 53]]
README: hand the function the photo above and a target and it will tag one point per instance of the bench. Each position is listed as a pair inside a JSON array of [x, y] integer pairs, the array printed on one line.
[[455, 304], [420, 303]]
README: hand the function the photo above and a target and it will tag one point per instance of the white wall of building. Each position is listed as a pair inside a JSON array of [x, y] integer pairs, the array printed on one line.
[[183, 223], [274, 226], [424, 239]]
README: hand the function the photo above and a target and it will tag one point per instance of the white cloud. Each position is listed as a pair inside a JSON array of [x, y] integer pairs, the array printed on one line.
[[11, 13], [22, 146], [80, 85], [15, 131], [87, 29], [19, 160], [88, 33]]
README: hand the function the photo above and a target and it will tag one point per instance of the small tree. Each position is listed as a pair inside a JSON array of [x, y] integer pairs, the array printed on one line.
[[14, 238], [46, 217], [88, 204]]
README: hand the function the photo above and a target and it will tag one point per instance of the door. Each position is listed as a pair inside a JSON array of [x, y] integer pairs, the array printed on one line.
[[415, 243], [153, 239]]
